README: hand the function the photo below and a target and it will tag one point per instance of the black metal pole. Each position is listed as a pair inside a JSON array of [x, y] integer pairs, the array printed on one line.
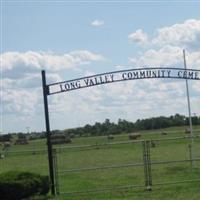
[[50, 154]]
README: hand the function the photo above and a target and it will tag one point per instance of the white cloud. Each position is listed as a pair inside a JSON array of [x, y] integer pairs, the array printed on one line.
[[16, 64], [130, 100], [20, 102], [21, 78], [138, 37], [119, 67], [97, 23], [186, 34], [196, 86], [29, 81], [167, 56]]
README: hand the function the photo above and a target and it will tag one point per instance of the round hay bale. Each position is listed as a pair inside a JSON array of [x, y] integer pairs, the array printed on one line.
[[187, 131], [134, 136], [110, 137]]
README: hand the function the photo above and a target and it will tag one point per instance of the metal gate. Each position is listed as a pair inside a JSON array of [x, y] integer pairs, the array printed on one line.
[[125, 165]]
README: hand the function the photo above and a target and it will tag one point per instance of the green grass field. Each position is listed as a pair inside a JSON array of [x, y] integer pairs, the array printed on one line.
[[33, 157]]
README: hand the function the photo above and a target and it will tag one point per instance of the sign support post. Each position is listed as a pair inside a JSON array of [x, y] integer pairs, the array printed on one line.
[[48, 134], [189, 110]]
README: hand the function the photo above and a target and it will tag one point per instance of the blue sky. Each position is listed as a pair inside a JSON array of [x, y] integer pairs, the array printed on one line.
[[71, 40]]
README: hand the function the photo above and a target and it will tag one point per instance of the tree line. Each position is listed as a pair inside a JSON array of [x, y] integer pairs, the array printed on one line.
[[124, 126], [110, 128]]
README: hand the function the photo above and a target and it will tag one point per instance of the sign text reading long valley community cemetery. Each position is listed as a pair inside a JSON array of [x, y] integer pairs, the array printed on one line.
[[123, 75]]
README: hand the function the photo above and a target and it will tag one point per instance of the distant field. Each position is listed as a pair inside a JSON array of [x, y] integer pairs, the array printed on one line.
[[33, 157]]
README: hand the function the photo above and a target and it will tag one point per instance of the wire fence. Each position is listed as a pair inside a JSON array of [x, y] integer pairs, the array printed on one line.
[[131, 164], [110, 166], [25, 158]]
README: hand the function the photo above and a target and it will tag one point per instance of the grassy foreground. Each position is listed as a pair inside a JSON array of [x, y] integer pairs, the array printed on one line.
[[175, 192], [33, 157]]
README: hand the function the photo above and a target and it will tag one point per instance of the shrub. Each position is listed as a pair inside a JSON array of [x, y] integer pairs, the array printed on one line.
[[19, 185]]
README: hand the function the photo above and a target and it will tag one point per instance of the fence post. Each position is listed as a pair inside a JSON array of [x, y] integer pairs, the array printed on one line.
[[190, 154], [144, 162], [147, 165]]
